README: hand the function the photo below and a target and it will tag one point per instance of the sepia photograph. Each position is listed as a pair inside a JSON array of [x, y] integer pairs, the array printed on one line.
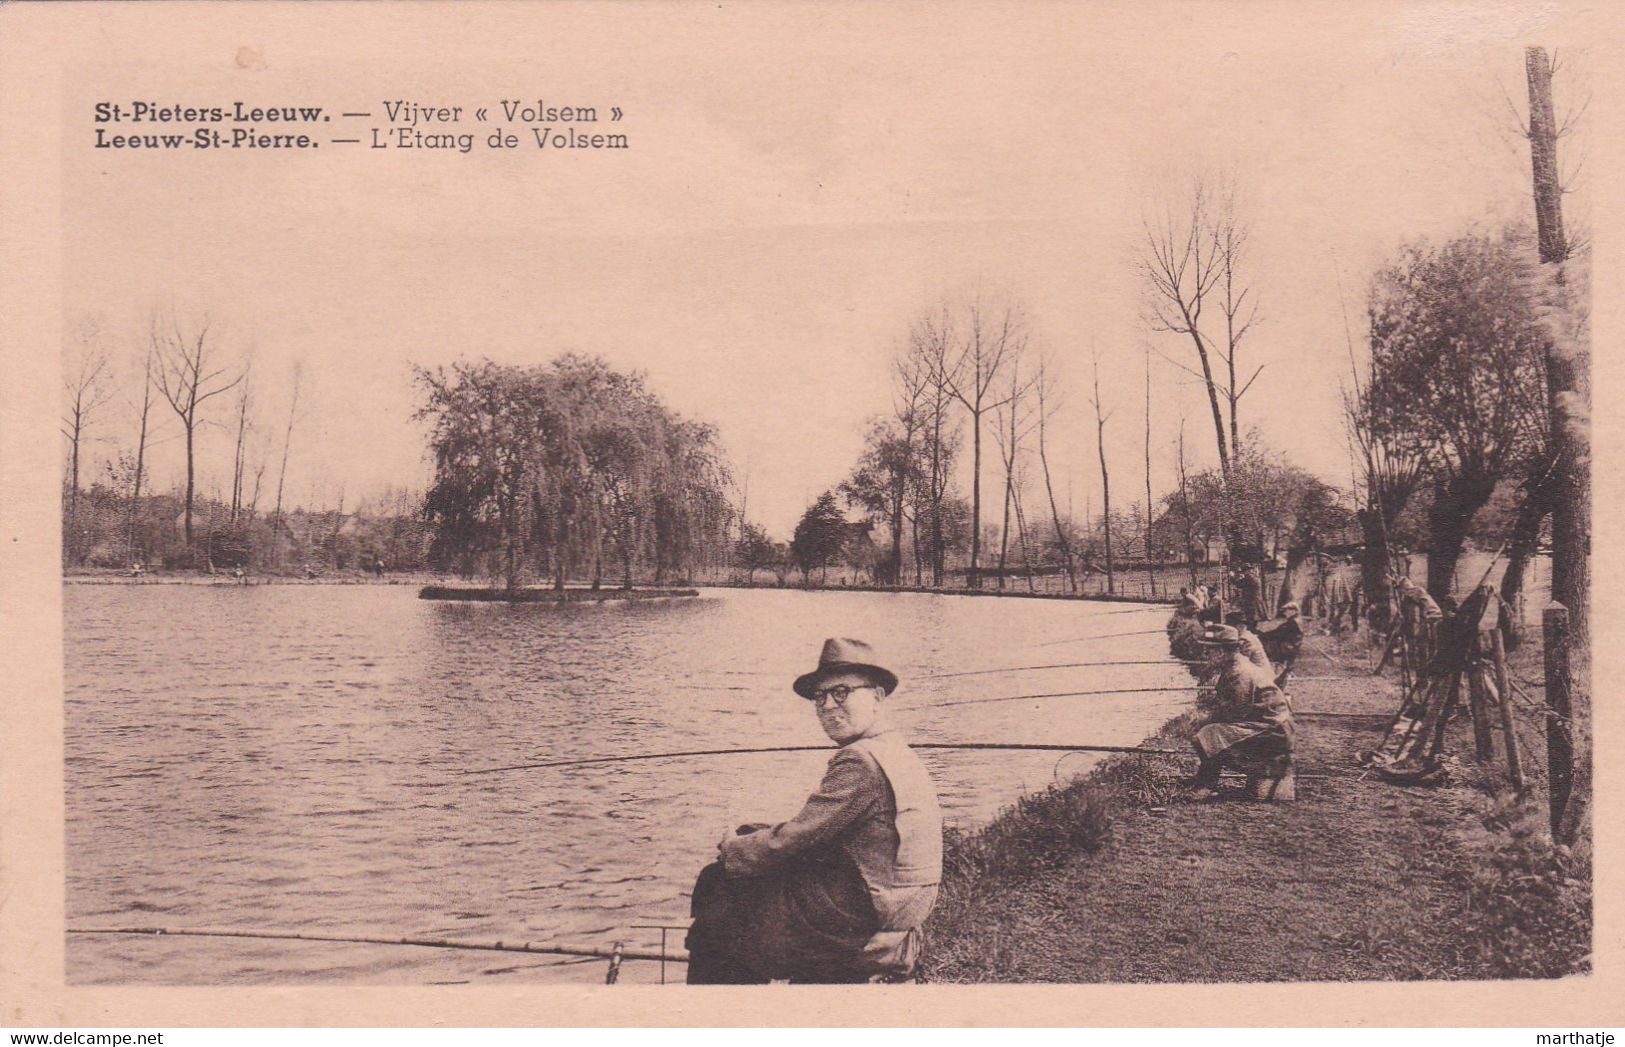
[[659, 495]]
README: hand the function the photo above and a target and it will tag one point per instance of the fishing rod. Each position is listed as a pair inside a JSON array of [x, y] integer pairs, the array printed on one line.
[[1000, 746], [1137, 610], [546, 948], [1061, 665], [984, 672], [1104, 636], [1067, 694]]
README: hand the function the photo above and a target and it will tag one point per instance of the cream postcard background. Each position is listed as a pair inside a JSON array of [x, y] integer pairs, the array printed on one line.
[[717, 91]]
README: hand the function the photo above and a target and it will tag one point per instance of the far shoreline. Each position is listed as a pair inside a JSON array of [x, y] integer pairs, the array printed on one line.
[[81, 577]]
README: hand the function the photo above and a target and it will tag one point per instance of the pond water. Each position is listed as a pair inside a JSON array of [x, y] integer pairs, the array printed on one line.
[[292, 758]]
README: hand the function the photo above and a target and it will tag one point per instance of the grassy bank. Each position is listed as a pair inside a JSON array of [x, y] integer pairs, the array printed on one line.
[[1119, 877]]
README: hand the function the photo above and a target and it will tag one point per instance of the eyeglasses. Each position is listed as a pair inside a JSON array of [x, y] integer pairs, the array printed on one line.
[[839, 693]]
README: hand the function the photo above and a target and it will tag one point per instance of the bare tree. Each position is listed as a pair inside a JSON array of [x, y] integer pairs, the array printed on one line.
[[188, 380], [916, 417], [1150, 570], [1101, 418], [87, 385], [1013, 424], [1239, 314], [929, 359], [142, 414], [1185, 506], [287, 441], [239, 474], [1048, 404], [1189, 262], [994, 335]]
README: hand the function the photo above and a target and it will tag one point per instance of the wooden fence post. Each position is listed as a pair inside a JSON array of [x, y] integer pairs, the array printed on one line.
[[1509, 726], [1479, 703], [1559, 739]]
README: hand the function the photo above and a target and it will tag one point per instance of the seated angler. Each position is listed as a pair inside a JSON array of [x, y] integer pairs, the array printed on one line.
[[1251, 729], [839, 892], [1250, 644], [1283, 639]]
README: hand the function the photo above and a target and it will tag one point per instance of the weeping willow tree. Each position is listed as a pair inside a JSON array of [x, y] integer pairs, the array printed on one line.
[[568, 469]]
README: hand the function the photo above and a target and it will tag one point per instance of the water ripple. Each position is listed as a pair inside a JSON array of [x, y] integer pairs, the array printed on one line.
[[234, 762]]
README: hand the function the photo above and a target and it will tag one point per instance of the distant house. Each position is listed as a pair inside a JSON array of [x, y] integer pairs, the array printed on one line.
[[857, 537]]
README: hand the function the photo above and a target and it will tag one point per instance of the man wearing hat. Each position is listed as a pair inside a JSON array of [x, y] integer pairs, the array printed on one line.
[[839, 892], [1251, 729], [1250, 644], [1283, 639]]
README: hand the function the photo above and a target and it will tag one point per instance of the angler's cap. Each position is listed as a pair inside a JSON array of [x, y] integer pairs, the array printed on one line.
[[844, 655], [1220, 636]]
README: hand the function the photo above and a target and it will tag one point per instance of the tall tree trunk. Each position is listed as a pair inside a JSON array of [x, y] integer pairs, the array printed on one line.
[[1455, 502], [1004, 530], [1106, 491], [939, 493], [1213, 404], [1145, 550], [1566, 388], [140, 466], [1522, 546], [1185, 509], [74, 543], [1055, 513], [189, 484], [282, 473], [899, 495], [1554, 246], [914, 531], [974, 578], [1026, 552], [1105, 479], [238, 461]]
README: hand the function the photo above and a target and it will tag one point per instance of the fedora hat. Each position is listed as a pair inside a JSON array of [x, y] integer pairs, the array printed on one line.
[[1221, 636], [843, 655]]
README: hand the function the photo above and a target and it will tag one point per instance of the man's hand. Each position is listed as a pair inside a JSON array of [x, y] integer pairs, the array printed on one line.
[[743, 830]]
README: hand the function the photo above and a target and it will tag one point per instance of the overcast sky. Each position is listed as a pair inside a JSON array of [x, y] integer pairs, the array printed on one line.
[[804, 180]]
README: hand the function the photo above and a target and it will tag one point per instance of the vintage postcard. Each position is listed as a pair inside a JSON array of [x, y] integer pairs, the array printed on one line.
[[809, 513]]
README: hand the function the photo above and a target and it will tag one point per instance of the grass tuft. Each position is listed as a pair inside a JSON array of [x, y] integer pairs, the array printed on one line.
[[1043, 831], [1530, 901]]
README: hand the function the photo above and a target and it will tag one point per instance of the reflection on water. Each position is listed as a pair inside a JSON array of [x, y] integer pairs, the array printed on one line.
[[292, 757]]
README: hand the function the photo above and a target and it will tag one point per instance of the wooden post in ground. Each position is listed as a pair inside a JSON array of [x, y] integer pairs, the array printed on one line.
[[1479, 703], [1559, 740], [1508, 724]]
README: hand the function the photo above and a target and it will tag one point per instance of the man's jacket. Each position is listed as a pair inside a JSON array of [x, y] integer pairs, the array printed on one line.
[[877, 806]]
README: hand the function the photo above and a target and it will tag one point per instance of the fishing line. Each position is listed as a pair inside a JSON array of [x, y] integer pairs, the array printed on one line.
[[1060, 665], [1103, 636], [1012, 746], [1066, 694], [547, 948], [989, 672]]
